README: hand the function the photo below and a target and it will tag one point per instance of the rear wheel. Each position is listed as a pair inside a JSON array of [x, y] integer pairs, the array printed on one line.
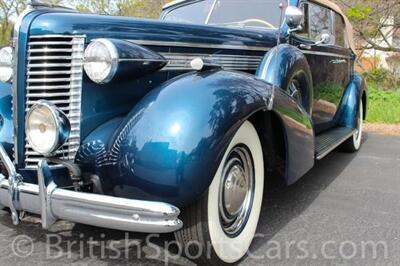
[[353, 144], [220, 227]]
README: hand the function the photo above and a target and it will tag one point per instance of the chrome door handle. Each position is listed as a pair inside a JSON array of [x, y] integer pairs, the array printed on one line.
[[338, 61]]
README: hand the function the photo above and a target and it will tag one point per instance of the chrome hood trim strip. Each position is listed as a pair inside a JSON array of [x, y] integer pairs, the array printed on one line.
[[200, 45], [181, 61]]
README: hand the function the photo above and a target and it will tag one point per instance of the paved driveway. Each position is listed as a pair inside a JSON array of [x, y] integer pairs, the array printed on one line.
[[345, 211]]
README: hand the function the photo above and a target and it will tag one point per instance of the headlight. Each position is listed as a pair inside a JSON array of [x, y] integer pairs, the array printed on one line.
[[47, 128], [6, 58], [101, 60]]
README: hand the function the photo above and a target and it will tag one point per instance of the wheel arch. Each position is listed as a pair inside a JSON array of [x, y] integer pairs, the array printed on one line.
[[365, 103], [271, 132]]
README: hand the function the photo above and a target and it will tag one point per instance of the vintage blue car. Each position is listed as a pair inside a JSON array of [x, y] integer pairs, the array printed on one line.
[[173, 125]]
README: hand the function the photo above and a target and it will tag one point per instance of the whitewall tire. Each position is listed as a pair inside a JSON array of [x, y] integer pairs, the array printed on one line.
[[223, 223], [353, 144]]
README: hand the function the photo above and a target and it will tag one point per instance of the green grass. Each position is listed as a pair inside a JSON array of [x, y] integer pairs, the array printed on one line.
[[383, 106]]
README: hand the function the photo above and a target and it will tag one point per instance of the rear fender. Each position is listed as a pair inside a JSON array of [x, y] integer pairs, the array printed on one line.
[[346, 115]]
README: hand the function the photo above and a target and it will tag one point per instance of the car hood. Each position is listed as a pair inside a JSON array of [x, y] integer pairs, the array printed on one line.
[[98, 26]]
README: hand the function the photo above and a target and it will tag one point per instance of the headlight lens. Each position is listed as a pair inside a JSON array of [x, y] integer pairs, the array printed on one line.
[[101, 60], [47, 128], [6, 58]]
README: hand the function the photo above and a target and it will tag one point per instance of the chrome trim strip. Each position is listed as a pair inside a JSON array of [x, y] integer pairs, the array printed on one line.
[[325, 54], [55, 36], [15, 45], [172, 3], [200, 45], [181, 61], [211, 12], [324, 153]]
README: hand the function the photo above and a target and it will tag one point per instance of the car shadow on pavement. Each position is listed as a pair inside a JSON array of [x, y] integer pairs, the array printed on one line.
[[92, 245], [282, 204]]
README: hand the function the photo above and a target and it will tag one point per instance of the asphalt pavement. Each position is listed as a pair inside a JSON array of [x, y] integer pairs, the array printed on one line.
[[345, 211]]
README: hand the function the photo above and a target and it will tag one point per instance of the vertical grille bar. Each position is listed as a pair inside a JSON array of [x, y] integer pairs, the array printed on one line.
[[54, 73]]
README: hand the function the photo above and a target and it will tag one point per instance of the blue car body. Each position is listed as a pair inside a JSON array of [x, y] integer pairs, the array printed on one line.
[[161, 135]]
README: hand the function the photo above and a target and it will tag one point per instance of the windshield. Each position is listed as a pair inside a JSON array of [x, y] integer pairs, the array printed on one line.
[[235, 13]]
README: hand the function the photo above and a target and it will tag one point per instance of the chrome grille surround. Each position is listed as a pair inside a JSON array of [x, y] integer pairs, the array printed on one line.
[[54, 73]]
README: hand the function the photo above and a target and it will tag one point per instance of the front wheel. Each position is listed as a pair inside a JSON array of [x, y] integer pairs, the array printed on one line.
[[220, 227], [353, 144]]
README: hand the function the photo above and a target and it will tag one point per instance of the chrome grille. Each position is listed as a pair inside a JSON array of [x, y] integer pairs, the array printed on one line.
[[54, 73]]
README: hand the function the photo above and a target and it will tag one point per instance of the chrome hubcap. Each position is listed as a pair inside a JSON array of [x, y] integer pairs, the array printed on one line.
[[236, 190]]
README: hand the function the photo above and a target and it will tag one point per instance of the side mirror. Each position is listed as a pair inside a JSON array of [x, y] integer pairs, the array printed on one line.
[[325, 38], [294, 16]]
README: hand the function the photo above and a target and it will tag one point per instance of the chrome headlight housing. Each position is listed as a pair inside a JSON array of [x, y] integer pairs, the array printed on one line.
[[6, 61], [47, 128], [101, 61]]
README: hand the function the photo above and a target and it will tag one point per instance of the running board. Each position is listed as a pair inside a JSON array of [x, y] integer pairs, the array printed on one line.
[[330, 140]]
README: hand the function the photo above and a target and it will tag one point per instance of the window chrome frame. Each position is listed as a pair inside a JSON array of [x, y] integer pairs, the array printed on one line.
[[332, 24]]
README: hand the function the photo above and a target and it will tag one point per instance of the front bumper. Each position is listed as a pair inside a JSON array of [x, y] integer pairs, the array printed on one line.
[[54, 204]]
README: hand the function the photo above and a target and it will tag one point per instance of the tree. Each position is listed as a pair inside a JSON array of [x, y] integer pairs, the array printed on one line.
[[376, 23], [8, 9], [140, 8], [129, 8], [103, 7]]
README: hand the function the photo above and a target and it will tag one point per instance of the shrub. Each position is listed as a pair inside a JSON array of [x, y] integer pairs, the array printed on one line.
[[384, 78]]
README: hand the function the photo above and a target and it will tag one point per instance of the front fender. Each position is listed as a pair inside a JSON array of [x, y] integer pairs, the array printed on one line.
[[169, 146]]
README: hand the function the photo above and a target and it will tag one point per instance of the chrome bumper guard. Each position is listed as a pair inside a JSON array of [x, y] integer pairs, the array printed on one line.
[[54, 204]]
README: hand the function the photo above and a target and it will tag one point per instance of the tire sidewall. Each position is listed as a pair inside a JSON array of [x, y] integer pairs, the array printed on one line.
[[357, 138], [231, 249]]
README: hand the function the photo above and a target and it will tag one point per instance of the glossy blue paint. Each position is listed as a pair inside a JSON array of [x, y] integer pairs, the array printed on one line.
[[106, 101], [95, 26], [135, 61], [281, 64], [6, 121], [299, 136], [169, 146], [160, 135], [349, 106]]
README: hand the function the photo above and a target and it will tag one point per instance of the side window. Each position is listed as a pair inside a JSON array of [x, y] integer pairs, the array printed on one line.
[[319, 21], [339, 31]]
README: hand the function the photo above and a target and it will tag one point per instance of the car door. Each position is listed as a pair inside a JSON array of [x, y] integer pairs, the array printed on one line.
[[330, 63]]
